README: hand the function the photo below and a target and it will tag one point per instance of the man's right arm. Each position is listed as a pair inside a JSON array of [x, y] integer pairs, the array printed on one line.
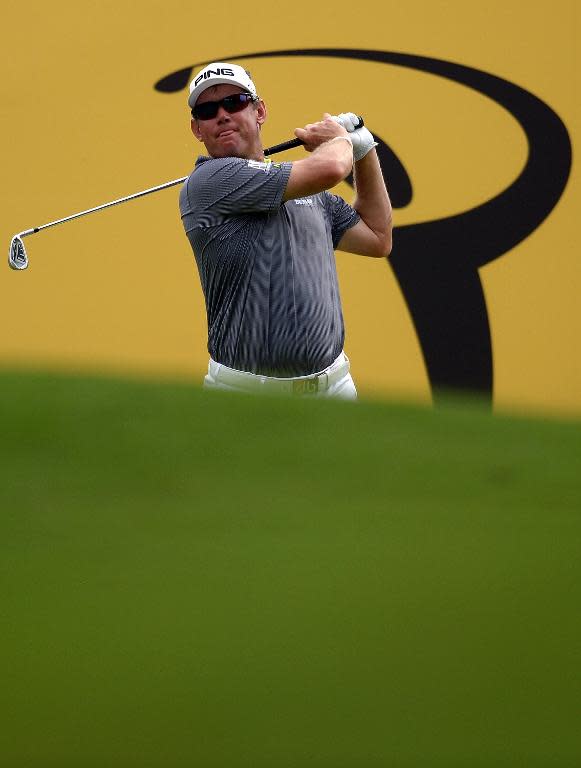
[[331, 159]]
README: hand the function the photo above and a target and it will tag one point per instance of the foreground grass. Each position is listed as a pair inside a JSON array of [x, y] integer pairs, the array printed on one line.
[[198, 579]]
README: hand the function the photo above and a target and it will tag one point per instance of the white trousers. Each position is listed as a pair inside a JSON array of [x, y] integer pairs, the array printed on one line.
[[334, 381]]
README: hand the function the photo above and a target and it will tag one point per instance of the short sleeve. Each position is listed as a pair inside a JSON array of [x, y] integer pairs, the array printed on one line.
[[341, 214], [232, 186]]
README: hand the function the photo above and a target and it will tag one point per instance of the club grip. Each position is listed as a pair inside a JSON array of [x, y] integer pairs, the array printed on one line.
[[292, 143]]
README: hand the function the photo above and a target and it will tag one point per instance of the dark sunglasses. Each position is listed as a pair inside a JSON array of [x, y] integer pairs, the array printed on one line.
[[235, 103]]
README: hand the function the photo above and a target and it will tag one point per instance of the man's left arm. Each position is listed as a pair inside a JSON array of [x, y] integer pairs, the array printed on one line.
[[371, 236]]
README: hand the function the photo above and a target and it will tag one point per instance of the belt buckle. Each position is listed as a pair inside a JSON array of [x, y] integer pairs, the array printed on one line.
[[306, 386]]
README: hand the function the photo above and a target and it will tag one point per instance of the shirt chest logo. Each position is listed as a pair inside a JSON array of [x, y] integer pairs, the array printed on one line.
[[304, 201]]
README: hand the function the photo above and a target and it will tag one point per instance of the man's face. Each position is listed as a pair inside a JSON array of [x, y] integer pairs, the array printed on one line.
[[230, 135]]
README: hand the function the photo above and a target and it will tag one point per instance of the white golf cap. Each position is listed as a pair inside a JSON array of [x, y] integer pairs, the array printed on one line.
[[220, 73]]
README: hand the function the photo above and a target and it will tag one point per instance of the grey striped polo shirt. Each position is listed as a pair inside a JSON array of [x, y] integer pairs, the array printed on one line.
[[267, 268]]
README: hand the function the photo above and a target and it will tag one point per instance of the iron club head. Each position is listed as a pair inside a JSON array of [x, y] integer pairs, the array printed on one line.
[[17, 258]]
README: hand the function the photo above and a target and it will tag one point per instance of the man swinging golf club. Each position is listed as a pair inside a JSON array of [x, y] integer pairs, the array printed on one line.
[[264, 235]]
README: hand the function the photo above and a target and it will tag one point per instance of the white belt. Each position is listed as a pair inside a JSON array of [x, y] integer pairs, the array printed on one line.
[[298, 385]]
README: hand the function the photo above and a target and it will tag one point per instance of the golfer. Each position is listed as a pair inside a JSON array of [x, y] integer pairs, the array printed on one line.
[[264, 234]]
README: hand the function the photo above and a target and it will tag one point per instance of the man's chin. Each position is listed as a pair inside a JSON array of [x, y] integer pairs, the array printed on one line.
[[227, 147]]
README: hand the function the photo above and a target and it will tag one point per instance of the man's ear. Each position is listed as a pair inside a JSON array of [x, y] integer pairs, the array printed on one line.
[[261, 112], [195, 129]]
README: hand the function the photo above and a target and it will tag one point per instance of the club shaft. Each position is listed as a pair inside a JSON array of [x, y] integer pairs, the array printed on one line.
[[126, 199]]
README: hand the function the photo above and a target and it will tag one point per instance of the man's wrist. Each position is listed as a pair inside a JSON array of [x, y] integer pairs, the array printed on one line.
[[336, 138], [357, 156]]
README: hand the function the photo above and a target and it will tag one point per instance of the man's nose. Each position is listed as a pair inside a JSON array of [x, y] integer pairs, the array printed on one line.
[[222, 114]]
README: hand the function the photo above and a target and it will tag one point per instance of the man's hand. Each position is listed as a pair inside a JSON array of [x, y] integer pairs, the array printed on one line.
[[315, 134], [349, 120], [361, 138], [330, 160]]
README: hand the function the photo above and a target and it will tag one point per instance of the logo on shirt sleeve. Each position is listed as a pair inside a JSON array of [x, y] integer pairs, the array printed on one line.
[[260, 166]]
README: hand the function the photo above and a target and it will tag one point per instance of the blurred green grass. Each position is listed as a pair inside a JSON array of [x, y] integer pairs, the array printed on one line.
[[203, 579]]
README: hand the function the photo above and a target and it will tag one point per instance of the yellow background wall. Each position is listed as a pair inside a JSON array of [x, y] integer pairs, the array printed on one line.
[[118, 291]]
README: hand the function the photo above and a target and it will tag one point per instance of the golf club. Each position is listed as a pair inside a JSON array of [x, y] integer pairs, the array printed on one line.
[[17, 256]]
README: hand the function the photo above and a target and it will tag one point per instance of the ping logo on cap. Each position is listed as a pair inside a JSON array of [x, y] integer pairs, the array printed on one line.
[[213, 73]]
